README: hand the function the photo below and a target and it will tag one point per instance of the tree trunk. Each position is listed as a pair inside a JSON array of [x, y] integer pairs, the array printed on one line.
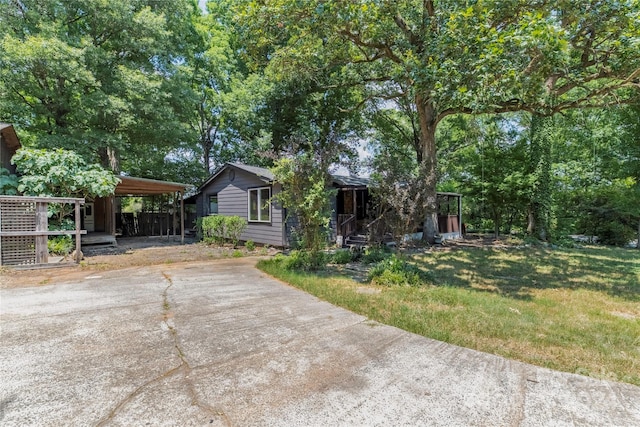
[[110, 159], [206, 155], [540, 167], [428, 123]]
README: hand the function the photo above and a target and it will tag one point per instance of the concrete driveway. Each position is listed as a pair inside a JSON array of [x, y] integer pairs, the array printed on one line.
[[220, 344]]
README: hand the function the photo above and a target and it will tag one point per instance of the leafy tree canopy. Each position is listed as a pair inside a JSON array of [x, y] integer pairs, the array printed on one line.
[[97, 77], [455, 57], [61, 173]]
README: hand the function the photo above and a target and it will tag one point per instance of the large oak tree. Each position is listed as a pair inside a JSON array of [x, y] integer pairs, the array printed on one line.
[[454, 57]]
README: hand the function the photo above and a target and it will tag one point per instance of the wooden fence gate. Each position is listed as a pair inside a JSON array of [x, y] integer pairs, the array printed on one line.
[[24, 229]]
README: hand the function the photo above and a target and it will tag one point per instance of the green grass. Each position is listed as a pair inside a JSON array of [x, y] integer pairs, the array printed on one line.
[[572, 310]]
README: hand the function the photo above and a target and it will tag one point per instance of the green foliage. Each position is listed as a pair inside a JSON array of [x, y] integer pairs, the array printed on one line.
[[375, 254], [395, 271], [307, 196], [228, 96], [485, 159], [237, 254], [217, 229], [199, 230], [102, 78], [61, 223], [304, 260], [234, 226], [343, 256], [445, 59], [213, 229], [61, 173], [250, 245], [8, 183], [60, 245], [540, 164], [611, 212]]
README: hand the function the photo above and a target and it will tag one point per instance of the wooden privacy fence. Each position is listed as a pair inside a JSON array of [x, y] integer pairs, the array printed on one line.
[[24, 229]]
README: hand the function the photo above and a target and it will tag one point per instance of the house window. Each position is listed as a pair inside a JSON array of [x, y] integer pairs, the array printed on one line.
[[213, 204], [260, 204]]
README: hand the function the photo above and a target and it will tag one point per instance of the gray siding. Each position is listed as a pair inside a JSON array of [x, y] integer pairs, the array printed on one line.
[[233, 200]]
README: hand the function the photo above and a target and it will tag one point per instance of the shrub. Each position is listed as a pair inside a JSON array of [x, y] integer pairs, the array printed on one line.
[[342, 257], [305, 260], [233, 228], [394, 271], [213, 229], [60, 245], [250, 245], [375, 254], [8, 183], [216, 229]]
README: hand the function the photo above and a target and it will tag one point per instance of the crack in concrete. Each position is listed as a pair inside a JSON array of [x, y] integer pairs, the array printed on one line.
[[135, 393], [525, 376], [183, 368]]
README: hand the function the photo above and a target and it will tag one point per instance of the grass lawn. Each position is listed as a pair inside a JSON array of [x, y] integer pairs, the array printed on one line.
[[574, 310]]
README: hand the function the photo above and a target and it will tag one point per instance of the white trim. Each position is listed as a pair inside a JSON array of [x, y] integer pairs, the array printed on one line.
[[258, 190]]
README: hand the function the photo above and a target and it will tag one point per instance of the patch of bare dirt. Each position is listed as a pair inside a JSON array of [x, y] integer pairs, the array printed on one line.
[[130, 252]]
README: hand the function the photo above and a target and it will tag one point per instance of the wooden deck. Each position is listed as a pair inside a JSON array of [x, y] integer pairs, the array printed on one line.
[[99, 239]]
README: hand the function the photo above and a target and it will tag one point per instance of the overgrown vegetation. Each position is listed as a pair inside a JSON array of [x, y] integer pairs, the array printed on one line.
[[306, 195], [394, 271], [8, 183], [575, 310], [303, 260], [60, 245]]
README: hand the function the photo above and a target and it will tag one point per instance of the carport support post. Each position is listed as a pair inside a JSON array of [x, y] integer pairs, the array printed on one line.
[[42, 252], [181, 195], [174, 223], [78, 238], [460, 215]]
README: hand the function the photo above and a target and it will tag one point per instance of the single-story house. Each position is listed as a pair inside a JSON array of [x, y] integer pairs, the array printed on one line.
[[248, 191]]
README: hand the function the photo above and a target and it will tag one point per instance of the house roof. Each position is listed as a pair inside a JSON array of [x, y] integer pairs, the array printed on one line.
[[267, 176], [350, 181], [9, 135], [262, 173], [132, 186]]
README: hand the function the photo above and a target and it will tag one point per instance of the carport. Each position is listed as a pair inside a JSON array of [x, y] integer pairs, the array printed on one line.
[[102, 211]]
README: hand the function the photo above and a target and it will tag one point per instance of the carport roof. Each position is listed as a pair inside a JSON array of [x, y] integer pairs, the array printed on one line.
[[132, 186]]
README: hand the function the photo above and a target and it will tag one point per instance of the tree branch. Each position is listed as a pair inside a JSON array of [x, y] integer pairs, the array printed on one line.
[[17, 92], [414, 39], [381, 47]]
